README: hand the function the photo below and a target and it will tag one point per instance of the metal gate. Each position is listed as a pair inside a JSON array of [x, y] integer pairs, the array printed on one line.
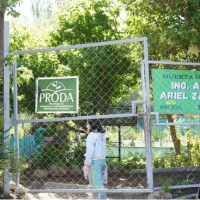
[[181, 169], [113, 83]]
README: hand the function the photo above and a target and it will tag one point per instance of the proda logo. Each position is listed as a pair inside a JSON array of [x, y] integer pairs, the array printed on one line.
[[170, 105], [55, 92]]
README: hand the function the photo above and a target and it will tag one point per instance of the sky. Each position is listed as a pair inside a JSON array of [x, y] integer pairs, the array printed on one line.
[[25, 12]]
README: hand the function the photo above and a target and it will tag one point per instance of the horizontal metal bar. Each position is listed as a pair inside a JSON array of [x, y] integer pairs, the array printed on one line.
[[79, 118], [80, 46], [176, 124], [112, 157], [172, 63], [188, 196], [156, 116], [179, 186], [87, 191]]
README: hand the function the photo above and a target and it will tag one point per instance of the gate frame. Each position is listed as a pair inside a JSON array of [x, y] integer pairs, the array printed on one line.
[[174, 123], [146, 114]]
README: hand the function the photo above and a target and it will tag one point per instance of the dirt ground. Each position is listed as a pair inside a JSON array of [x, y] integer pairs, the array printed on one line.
[[116, 181], [176, 195]]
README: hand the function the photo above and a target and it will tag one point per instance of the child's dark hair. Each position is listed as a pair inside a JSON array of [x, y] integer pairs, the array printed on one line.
[[96, 125]]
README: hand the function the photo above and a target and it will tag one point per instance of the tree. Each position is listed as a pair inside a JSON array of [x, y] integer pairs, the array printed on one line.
[[31, 66], [86, 21], [108, 71], [5, 5], [45, 7], [172, 28], [105, 73]]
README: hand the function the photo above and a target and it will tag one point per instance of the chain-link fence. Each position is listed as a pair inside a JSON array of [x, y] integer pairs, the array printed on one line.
[[175, 97], [52, 145]]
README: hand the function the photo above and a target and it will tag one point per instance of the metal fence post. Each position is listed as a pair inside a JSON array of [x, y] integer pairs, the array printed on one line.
[[15, 123], [6, 104], [147, 120]]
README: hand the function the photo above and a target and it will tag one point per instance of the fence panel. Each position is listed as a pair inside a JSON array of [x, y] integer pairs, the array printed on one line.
[[109, 79], [173, 93]]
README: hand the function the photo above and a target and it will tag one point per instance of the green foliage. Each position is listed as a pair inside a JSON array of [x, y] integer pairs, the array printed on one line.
[[58, 154], [78, 23], [127, 133], [76, 154], [5, 151], [50, 154], [157, 134], [50, 131], [85, 21], [193, 147], [189, 180], [47, 158], [17, 168], [171, 26], [166, 184], [8, 156], [134, 161], [158, 162], [1, 121], [25, 76], [9, 5], [42, 8], [188, 157], [112, 162]]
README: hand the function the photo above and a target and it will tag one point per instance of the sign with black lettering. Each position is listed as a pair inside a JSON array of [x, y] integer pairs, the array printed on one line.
[[176, 91], [57, 95]]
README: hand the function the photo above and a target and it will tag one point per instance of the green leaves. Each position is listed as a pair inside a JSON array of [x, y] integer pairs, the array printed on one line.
[[25, 75], [171, 26], [5, 151], [84, 21], [9, 5], [109, 71]]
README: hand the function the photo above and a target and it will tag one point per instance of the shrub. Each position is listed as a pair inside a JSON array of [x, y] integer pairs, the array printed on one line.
[[76, 154], [134, 161]]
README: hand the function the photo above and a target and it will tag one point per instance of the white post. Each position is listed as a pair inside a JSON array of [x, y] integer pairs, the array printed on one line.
[[6, 100], [147, 120], [15, 123]]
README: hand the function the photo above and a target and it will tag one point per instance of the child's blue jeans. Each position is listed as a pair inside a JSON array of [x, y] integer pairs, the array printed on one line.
[[95, 178]]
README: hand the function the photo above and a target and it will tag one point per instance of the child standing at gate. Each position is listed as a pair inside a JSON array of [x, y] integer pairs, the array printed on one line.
[[95, 155]]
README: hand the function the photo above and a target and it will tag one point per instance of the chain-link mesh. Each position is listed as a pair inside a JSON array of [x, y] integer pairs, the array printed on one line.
[[55, 157], [109, 79], [173, 99], [109, 76], [88, 196]]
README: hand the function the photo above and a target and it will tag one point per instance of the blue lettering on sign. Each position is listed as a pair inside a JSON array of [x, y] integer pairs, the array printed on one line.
[[170, 107]]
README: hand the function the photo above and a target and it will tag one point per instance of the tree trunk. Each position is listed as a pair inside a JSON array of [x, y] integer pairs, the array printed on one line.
[[1, 43], [175, 140]]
